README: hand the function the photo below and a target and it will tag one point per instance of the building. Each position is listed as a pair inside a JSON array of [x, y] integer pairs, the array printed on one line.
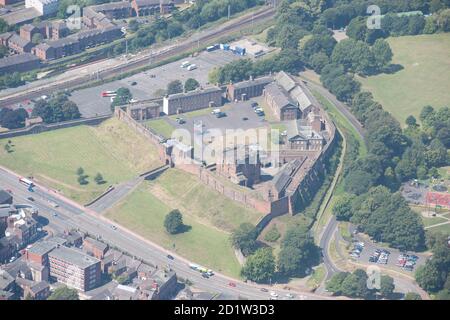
[[140, 111], [8, 2], [114, 10], [74, 268], [38, 252], [5, 197], [247, 89], [150, 7], [23, 225], [19, 45], [27, 32], [7, 282], [280, 103], [4, 38], [240, 164], [95, 248], [57, 30], [193, 100], [21, 16], [32, 289], [57, 48], [44, 7], [19, 63]]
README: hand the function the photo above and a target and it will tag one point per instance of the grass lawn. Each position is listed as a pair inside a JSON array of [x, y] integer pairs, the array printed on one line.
[[52, 158], [425, 79], [144, 213], [316, 278], [445, 229], [185, 192], [161, 126]]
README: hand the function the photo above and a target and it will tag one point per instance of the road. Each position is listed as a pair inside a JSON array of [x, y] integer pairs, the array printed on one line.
[[70, 215], [106, 69]]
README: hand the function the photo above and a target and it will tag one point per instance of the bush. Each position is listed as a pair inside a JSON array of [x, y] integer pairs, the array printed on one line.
[[273, 234]]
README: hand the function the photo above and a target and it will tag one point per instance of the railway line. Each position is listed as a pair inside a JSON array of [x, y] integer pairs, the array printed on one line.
[[143, 59]]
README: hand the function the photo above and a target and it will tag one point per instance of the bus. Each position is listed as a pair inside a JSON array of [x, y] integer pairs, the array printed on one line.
[[108, 94], [26, 182]]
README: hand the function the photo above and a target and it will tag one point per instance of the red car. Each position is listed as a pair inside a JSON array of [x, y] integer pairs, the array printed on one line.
[[232, 284]]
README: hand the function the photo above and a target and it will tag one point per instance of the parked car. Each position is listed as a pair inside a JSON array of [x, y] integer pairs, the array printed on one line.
[[232, 284], [255, 105], [244, 118], [205, 275], [273, 294], [170, 257], [30, 198], [264, 290], [134, 83]]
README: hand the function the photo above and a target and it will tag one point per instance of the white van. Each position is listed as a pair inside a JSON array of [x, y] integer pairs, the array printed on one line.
[[192, 67], [185, 64]]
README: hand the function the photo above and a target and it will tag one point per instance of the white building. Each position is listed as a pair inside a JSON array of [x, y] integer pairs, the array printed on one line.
[[45, 7]]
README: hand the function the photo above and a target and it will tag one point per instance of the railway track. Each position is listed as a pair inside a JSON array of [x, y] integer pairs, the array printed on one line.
[[143, 60]]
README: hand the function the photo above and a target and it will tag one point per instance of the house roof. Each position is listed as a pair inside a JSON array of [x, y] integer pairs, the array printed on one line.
[[253, 82], [193, 93], [21, 42], [285, 81], [4, 196], [73, 256], [280, 96], [13, 60]]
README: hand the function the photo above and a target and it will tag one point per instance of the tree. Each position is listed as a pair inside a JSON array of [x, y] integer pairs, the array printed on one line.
[[273, 234], [13, 119], [191, 84], [82, 180], [3, 51], [244, 238], [355, 285], [99, 179], [80, 171], [411, 121], [260, 266], [123, 97], [335, 283], [70, 110], [387, 286], [382, 53], [412, 296], [64, 293], [173, 221], [429, 278], [37, 38], [298, 252], [133, 25], [342, 208], [174, 87]]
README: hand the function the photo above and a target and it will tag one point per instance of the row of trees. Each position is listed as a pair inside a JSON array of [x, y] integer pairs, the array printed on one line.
[[177, 86], [11, 80], [434, 276], [56, 109], [354, 285], [383, 216], [297, 256]]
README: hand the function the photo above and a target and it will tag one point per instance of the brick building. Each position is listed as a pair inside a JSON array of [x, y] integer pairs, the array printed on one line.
[[4, 38], [114, 10], [140, 111], [74, 268], [240, 164], [150, 7], [280, 103], [27, 31], [95, 248], [19, 45], [247, 89], [19, 63], [193, 100]]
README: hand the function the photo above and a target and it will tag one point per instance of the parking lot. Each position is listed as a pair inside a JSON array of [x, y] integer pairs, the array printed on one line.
[[415, 193], [239, 115], [366, 252], [145, 84]]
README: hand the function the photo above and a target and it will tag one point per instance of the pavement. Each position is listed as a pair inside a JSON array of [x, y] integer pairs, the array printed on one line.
[[70, 215], [148, 83]]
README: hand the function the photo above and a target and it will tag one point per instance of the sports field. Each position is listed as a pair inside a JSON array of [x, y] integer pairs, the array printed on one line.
[[52, 158], [425, 79], [144, 212]]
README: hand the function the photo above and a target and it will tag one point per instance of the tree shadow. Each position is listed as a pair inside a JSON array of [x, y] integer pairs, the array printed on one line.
[[393, 68], [184, 228]]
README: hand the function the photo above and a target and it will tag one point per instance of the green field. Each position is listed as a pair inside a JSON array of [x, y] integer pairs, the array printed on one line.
[[185, 191], [144, 213], [161, 126], [425, 79], [53, 157]]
